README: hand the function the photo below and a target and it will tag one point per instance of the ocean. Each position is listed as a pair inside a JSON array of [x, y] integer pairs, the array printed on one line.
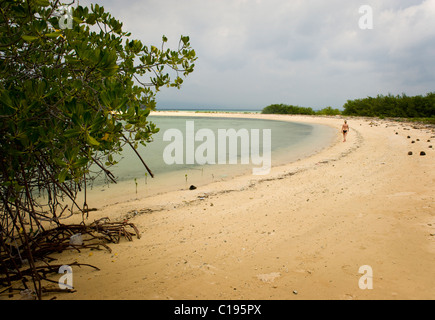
[[289, 142]]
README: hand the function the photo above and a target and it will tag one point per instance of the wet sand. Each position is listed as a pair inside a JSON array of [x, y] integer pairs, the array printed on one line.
[[301, 232]]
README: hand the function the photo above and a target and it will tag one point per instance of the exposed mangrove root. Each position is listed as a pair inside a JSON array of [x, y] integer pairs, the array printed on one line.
[[16, 271]]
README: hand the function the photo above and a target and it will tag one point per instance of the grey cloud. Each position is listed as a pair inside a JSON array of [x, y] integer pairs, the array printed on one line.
[[307, 52]]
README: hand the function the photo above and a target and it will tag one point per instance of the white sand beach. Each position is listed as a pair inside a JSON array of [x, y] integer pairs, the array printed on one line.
[[301, 232]]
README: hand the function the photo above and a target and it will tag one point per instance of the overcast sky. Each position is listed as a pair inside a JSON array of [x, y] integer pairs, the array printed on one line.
[[311, 53]]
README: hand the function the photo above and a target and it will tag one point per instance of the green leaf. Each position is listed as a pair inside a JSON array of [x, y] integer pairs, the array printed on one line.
[[42, 3], [92, 141], [62, 175], [5, 98], [72, 133], [60, 162], [110, 71], [81, 162], [77, 20], [91, 19], [53, 34], [185, 39], [29, 38]]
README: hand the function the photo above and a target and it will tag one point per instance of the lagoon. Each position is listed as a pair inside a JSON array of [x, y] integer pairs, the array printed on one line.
[[289, 141]]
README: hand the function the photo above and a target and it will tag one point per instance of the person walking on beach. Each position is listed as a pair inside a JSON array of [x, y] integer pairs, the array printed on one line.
[[345, 130]]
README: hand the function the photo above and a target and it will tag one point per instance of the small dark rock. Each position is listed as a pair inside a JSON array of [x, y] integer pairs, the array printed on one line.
[[410, 153], [408, 137], [412, 141], [192, 187], [422, 153], [430, 146]]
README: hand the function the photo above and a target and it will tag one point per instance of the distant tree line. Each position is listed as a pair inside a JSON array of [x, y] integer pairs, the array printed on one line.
[[400, 106], [289, 109]]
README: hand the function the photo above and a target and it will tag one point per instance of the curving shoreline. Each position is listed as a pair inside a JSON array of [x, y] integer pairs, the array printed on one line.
[[124, 191], [305, 228]]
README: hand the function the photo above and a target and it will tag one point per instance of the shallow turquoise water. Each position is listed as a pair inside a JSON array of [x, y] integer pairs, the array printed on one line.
[[289, 142]]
